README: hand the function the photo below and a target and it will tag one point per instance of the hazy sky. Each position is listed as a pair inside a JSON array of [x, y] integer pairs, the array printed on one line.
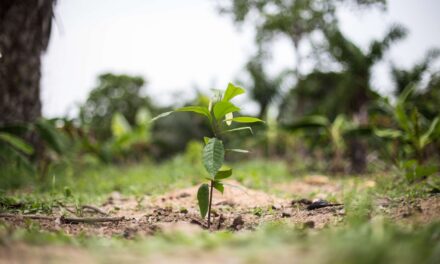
[[177, 45]]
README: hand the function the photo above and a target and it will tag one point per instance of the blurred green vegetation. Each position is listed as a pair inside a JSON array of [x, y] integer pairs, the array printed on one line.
[[399, 131], [114, 94]]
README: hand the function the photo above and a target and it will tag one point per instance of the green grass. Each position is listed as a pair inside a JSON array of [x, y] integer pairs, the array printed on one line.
[[94, 181], [260, 174]]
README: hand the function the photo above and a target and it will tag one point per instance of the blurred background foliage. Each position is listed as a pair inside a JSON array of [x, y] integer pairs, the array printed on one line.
[[114, 94], [329, 119]]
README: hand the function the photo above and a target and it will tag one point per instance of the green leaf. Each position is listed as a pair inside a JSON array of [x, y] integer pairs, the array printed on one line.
[[400, 114], [17, 143], [213, 156], [203, 199], [409, 89], [228, 118], [222, 108], [50, 135], [388, 133], [427, 136], [413, 171], [246, 119], [358, 131], [161, 115], [232, 91], [10, 153], [218, 186], [142, 116], [67, 192], [120, 126], [425, 171], [310, 122], [206, 140], [238, 150], [402, 118], [407, 164], [202, 110], [223, 173], [238, 129]]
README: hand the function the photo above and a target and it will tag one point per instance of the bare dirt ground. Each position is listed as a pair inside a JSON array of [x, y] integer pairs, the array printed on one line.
[[417, 211], [238, 208]]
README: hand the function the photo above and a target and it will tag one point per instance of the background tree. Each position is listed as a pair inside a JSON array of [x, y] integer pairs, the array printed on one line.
[[263, 88], [312, 95], [357, 92], [114, 94], [25, 28], [335, 133], [299, 20], [404, 77], [414, 133], [426, 97], [295, 19], [428, 100], [292, 19], [357, 66], [348, 91]]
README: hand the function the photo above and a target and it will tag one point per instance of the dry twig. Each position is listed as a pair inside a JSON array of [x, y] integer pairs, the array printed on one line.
[[95, 209], [90, 220], [66, 220]]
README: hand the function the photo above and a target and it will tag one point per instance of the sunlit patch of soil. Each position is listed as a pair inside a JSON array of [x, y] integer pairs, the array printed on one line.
[[236, 209], [416, 211]]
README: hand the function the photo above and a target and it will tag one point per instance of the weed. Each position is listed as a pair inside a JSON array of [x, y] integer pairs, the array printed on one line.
[[258, 211]]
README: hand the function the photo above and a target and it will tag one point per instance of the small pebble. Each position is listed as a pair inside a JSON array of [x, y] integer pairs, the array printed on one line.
[[309, 224], [285, 214]]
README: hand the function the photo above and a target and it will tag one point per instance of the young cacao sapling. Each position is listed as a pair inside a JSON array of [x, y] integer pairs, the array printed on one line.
[[220, 115]]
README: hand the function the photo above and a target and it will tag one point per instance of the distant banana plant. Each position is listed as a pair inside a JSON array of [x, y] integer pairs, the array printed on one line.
[[124, 136], [16, 151], [414, 132], [336, 132], [220, 114]]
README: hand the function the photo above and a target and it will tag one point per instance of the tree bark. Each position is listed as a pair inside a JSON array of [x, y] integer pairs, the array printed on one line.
[[263, 111], [357, 146], [25, 27], [358, 155]]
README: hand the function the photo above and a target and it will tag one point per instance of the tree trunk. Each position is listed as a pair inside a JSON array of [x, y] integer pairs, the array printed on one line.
[[263, 111], [357, 146], [24, 34], [298, 59], [358, 155], [337, 163]]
